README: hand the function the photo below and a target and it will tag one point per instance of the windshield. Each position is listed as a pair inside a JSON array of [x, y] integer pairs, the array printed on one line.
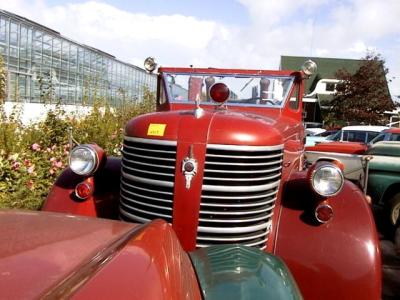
[[246, 90]]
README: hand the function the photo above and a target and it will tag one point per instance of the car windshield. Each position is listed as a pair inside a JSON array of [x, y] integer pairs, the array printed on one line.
[[246, 90]]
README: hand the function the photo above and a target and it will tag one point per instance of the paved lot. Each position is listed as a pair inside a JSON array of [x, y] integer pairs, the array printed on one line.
[[390, 247]]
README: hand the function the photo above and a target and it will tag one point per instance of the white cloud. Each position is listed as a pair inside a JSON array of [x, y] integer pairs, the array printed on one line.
[[285, 27]]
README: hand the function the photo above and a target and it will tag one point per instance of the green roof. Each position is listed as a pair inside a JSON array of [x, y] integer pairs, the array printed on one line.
[[326, 67]]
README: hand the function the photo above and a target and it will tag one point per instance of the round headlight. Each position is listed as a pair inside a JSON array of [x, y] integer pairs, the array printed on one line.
[[309, 67], [327, 180], [83, 160]]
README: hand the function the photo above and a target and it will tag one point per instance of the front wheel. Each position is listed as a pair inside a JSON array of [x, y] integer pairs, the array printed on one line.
[[395, 209]]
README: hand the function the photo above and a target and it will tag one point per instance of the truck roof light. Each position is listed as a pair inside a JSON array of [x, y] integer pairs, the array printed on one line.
[[309, 67], [150, 64], [219, 92]]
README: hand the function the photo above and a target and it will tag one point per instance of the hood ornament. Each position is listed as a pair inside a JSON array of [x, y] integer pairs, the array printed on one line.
[[189, 167]]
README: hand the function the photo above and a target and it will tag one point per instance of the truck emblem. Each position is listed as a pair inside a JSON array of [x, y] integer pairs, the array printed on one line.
[[189, 167]]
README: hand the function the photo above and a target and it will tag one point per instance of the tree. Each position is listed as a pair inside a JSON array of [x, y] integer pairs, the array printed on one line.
[[363, 96]]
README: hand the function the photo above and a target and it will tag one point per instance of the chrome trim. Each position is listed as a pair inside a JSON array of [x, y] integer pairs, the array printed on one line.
[[243, 179], [246, 229], [148, 181], [244, 148], [143, 196], [246, 164], [149, 150], [235, 213], [238, 205], [255, 188], [144, 189], [145, 212], [130, 216], [148, 157], [239, 197], [146, 164], [245, 156], [233, 238], [214, 220], [147, 172], [145, 204], [244, 171], [151, 141]]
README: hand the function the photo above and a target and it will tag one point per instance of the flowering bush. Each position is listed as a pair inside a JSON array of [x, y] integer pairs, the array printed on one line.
[[31, 157]]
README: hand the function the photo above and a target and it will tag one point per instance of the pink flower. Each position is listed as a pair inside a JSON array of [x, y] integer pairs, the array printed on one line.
[[58, 164], [52, 171], [49, 150], [54, 147], [31, 169], [15, 165], [27, 163], [35, 147]]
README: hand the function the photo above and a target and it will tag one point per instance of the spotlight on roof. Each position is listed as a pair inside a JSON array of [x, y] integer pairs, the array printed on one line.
[[309, 67], [150, 64]]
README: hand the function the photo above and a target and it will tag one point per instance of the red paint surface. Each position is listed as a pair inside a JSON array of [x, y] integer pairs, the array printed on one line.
[[340, 147], [39, 249], [103, 203], [152, 265], [339, 259]]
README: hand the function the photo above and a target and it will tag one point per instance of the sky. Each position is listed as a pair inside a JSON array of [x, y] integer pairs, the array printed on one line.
[[222, 33]]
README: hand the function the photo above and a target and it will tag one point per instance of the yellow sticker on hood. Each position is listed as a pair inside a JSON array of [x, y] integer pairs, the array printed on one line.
[[156, 129]]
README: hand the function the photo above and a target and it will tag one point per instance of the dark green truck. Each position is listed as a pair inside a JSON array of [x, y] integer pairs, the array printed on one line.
[[384, 177]]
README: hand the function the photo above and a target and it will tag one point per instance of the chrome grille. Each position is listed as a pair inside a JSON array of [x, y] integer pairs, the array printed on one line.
[[239, 191], [147, 183]]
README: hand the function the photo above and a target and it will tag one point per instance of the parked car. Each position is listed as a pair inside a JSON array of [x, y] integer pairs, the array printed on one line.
[[347, 146], [359, 133], [58, 256], [390, 134], [323, 136], [222, 161], [383, 183]]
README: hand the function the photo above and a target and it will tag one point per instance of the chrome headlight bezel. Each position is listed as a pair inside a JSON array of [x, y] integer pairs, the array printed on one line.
[[93, 160], [318, 171]]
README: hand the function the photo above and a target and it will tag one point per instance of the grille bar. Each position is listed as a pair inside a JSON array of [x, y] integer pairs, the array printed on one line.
[[239, 191], [147, 183]]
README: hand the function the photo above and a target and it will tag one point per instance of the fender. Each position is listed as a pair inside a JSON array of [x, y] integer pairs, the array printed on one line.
[[104, 201], [241, 272], [339, 259]]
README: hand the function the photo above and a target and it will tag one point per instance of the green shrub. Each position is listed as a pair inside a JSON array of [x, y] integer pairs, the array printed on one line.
[[32, 156]]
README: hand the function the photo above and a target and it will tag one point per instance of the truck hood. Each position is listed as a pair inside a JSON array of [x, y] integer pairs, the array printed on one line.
[[39, 249], [54, 256], [211, 127]]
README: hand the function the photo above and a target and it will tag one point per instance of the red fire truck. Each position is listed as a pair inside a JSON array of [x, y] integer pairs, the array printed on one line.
[[222, 161]]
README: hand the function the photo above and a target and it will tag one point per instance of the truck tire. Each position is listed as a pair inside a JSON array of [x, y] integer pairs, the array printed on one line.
[[395, 209]]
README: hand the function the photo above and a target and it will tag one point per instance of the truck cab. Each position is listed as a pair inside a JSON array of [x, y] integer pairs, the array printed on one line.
[[221, 160]]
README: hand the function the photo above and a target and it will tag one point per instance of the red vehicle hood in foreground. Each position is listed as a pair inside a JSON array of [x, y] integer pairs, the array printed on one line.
[[339, 147], [49, 255]]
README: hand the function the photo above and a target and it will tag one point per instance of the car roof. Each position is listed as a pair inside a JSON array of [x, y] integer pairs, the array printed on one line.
[[393, 130], [365, 128]]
